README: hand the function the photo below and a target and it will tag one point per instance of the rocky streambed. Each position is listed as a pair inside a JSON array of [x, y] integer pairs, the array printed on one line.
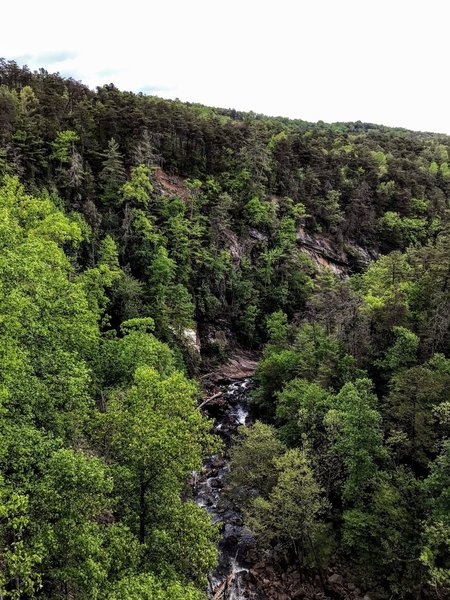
[[228, 580]]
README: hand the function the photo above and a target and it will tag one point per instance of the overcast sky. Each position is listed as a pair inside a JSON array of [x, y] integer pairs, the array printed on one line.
[[333, 60]]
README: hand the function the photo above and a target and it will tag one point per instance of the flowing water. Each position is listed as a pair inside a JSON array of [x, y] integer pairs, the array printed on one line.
[[227, 581]]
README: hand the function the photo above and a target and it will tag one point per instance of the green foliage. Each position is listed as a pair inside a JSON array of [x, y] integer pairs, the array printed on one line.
[[172, 307], [73, 494], [259, 214], [402, 231], [355, 425], [301, 409], [143, 325], [155, 426], [98, 425], [276, 368], [248, 321], [183, 542], [413, 403], [404, 350], [382, 537], [252, 461], [313, 356], [112, 175], [48, 327], [277, 327], [433, 169], [292, 512], [444, 169], [63, 145], [436, 534], [147, 587], [156, 437], [88, 496], [139, 187], [382, 162], [108, 254], [321, 357], [434, 555], [329, 209]]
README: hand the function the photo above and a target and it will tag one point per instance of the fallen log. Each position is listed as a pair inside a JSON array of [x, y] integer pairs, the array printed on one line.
[[210, 399], [220, 592]]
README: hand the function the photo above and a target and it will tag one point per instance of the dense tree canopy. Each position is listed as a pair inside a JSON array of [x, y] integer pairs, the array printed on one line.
[[98, 431], [128, 224]]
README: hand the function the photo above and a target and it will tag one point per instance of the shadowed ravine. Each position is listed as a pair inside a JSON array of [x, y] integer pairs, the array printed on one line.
[[227, 581]]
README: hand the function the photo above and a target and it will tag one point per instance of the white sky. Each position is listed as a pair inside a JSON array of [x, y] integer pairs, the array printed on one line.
[[336, 60]]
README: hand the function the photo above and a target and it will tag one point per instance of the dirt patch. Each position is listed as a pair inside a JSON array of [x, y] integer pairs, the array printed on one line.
[[172, 185]]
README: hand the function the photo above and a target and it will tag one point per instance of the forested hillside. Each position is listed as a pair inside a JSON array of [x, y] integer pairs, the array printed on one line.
[[129, 225]]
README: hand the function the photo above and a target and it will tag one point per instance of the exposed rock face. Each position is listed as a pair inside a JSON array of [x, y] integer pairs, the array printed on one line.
[[258, 235], [241, 365], [192, 338], [214, 335], [324, 263], [318, 245], [322, 250], [237, 248]]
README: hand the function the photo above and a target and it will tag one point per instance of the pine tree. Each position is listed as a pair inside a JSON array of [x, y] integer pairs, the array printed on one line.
[[112, 175]]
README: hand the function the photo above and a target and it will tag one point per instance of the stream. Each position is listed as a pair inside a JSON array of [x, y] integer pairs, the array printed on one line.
[[227, 581], [238, 565]]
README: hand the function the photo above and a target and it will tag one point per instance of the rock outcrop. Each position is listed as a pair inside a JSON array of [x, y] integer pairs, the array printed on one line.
[[325, 254]]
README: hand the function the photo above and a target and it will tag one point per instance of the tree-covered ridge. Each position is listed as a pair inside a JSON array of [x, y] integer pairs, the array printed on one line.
[[348, 176], [253, 183]]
